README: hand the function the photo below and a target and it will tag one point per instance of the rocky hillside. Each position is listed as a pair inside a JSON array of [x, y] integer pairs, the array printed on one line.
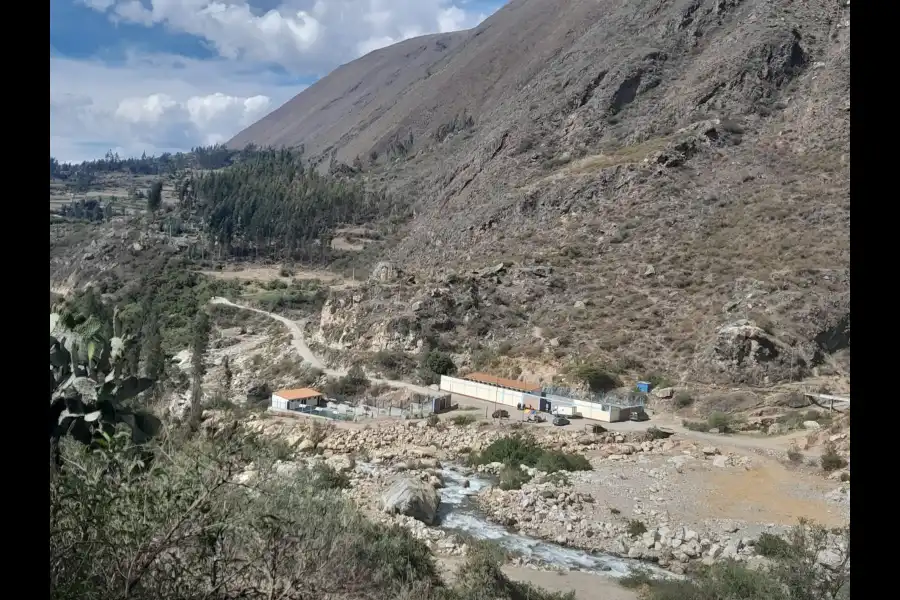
[[666, 182]]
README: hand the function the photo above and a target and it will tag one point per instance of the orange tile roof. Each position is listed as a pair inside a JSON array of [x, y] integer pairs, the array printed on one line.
[[298, 394], [500, 381]]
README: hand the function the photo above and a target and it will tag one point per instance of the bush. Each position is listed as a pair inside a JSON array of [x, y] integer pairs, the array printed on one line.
[[657, 380], [462, 420], [793, 573], [433, 420], [328, 478], [597, 379], [695, 425], [773, 546], [794, 455], [519, 449], [721, 421], [635, 527], [552, 461], [683, 400], [831, 460], [514, 450], [513, 478], [439, 363]]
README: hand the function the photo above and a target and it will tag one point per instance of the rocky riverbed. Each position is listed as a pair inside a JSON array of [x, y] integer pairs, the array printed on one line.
[[671, 502]]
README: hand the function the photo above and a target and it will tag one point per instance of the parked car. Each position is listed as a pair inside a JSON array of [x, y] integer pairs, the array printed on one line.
[[560, 421], [639, 415]]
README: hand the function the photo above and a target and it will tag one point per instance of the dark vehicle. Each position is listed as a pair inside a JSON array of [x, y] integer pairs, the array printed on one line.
[[638, 415], [500, 414], [560, 421]]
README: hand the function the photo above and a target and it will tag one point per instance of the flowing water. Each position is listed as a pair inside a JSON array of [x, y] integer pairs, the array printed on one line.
[[458, 512]]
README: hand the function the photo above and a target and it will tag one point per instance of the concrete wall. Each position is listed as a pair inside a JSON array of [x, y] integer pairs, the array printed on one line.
[[483, 391]]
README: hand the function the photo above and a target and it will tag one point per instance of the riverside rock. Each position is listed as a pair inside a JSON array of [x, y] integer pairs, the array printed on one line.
[[413, 498]]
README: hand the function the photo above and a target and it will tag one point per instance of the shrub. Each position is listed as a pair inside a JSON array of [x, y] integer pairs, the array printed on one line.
[[845, 477], [695, 425], [831, 460], [793, 573], [794, 455], [683, 400], [773, 546], [721, 421], [559, 479], [433, 420], [635, 527], [552, 461], [513, 478], [597, 379], [462, 420], [658, 380], [514, 450], [439, 363], [328, 477]]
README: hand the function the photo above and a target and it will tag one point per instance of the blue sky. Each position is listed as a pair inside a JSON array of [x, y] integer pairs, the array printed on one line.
[[165, 75]]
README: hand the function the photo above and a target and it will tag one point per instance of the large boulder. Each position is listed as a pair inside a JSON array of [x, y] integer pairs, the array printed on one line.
[[413, 498]]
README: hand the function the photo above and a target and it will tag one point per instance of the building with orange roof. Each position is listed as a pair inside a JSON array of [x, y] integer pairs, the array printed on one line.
[[293, 399]]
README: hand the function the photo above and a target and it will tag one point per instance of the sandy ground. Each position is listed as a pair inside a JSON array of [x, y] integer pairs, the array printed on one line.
[[585, 585]]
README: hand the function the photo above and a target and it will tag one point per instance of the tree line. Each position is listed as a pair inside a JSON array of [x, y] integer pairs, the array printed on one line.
[[274, 205]]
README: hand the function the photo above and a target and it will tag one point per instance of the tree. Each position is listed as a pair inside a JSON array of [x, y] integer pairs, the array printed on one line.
[[154, 198], [440, 363], [154, 358], [199, 343]]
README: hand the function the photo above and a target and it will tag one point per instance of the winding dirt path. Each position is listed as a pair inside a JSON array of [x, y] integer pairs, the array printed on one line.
[[299, 344]]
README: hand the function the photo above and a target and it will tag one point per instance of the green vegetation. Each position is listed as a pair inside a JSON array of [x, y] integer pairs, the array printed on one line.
[[596, 378], [354, 383], [462, 420], [636, 527], [683, 400], [518, 449], [831, 460], [794, 455], [795, 418], [792, 575], [273, 205], [513, 478], [724, 422]]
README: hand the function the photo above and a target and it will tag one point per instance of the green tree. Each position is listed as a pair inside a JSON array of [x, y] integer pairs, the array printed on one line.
[[199, 344], [440, 363], [154, 198], [154, 358]]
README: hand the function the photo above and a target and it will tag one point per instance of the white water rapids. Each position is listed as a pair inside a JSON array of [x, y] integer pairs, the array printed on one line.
[[458, 513]]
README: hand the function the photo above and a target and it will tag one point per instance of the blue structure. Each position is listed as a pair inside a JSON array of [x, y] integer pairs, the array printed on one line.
[[644, 387]]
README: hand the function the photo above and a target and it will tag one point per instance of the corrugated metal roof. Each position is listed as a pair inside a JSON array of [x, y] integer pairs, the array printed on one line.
[[298, 393], [502, 382]]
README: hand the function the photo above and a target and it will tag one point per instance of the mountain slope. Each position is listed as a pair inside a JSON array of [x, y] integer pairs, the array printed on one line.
[[680, 168]]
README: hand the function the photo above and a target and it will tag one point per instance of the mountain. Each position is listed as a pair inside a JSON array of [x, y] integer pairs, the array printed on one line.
[[665, 182]]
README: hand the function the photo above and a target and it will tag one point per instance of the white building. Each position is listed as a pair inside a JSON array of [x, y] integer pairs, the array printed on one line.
[[298, 398]]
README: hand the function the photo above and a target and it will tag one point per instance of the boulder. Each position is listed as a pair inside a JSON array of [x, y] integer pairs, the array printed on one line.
[[413, 498], [811, 425]]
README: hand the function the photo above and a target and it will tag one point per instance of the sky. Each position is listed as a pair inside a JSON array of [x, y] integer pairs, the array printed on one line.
[[135, 76]]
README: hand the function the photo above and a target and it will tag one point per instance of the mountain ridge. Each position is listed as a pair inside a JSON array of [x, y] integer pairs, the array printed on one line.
[[681, 167]]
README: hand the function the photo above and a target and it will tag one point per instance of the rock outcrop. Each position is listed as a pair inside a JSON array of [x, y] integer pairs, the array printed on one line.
[[413, 498]]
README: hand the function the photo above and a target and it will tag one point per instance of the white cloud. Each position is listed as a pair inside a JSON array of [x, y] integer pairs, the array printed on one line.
[[149, 105], [305, 36], [167, 103]]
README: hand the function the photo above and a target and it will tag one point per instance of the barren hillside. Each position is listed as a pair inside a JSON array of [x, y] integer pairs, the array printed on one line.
[[666, 182]]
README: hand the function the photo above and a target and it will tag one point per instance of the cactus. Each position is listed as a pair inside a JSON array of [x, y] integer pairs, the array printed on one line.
[[86, 390]]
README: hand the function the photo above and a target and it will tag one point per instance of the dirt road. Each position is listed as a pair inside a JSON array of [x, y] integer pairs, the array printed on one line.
[[299, 344]]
